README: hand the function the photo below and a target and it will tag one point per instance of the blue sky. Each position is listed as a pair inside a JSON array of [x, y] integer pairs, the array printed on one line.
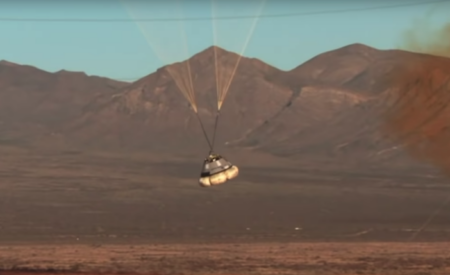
[[120, 50]]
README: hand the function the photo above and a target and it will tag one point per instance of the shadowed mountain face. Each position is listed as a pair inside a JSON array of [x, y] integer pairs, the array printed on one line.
[[340, 103], [329, 107], [35, 103], [153, 113]]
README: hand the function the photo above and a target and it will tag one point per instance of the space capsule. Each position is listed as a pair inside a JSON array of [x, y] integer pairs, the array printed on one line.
[[217, 170]]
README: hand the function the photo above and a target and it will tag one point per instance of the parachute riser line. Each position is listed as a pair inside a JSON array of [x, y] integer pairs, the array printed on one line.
[[215, 130], [203, 130]]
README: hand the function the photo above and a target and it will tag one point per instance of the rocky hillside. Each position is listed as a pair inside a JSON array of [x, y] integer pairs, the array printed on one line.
[[332, 107]]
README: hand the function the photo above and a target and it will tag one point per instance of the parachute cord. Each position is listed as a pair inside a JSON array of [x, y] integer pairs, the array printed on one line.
[[204, 131], [215, 130]]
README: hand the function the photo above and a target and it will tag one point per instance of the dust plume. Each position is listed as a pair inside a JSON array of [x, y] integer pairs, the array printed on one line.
[[422, 37], [419, 115]]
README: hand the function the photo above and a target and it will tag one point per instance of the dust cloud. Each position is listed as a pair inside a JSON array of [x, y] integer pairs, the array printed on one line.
[[422, 37], [419, 115]]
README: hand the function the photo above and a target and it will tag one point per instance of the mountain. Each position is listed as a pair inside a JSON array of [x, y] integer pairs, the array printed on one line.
[[332, 107], [34, 102], [340, 104], [153, 114], [263, 105]]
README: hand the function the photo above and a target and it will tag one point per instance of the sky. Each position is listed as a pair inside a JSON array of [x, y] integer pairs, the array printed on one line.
[[129, 50]]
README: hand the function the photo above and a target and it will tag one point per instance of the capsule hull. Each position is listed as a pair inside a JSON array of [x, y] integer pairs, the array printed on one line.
[[232, 173], [219, 178], [204, 182], [217, 170]]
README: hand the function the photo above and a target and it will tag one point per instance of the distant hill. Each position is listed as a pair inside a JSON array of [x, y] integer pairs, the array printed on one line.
[[329, 107]]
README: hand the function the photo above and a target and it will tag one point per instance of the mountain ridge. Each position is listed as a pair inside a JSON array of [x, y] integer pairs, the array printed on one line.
[[336, 98]]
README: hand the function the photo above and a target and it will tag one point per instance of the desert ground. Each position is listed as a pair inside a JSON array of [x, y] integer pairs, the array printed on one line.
[[92, 212], [233, 259]]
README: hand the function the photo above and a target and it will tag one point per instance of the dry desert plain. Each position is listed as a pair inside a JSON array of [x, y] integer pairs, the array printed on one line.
[[85, 212]]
